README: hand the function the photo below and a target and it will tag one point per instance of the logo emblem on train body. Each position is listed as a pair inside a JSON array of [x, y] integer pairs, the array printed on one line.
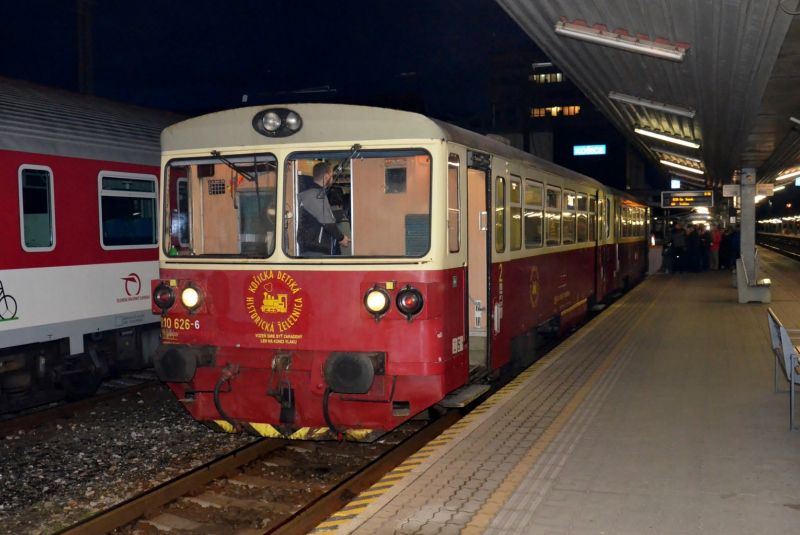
[[534, 292], [274, 303]]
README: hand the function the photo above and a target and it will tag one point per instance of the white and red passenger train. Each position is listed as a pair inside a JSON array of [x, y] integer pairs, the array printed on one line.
[[462, 250], [78, 212]]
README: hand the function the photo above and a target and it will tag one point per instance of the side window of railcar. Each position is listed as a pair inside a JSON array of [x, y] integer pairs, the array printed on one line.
[[453, 204], [568, 236], [500, 214], [37, 219], [553, 217], [592, 219], [379, 200], [533, 214], [583, 220], [127, 210], [515, 210]]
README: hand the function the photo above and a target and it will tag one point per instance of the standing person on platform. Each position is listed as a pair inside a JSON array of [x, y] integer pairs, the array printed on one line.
[[677, 240], [716, 239], [693, 262], [736, 245], [705, 247], [725, 249]]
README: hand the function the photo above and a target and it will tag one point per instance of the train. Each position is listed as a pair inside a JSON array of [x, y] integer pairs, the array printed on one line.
[[78, 205], [331, 271]]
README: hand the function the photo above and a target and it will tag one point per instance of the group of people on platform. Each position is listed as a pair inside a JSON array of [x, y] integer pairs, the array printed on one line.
[[697, 249]]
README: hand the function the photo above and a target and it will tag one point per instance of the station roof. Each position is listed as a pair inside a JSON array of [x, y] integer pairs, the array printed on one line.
[[729, 83]]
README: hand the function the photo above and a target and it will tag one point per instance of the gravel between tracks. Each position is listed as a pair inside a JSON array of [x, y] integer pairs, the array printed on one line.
[[56, 474]]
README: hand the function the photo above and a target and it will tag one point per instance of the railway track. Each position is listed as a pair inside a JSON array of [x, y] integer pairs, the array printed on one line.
[[270, 486], [60, 410]]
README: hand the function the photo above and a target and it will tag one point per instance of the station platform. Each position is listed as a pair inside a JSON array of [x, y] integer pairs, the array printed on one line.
[[658, 416]]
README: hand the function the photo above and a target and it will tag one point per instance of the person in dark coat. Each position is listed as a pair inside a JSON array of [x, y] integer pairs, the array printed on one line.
[[693, 250], [725, 249], [318, 234], [736, 245], [677, 244], [705, 247]]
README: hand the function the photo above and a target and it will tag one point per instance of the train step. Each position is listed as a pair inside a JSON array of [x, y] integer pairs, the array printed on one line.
[[464, 396]]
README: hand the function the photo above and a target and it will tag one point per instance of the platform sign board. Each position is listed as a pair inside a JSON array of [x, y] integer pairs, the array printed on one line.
[[731, 190], [765, 189], [675, 184], [588, 150], [687, 199], [797, 181]]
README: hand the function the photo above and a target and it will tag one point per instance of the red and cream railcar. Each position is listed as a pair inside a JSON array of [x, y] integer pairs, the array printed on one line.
[[463, 249], [78, 209]]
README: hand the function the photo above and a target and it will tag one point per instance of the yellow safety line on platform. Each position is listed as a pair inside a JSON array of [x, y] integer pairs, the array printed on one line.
[[517, 474], [367, 497]]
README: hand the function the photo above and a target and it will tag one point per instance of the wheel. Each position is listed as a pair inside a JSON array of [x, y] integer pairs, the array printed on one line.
[[78, 386], [8, 307]]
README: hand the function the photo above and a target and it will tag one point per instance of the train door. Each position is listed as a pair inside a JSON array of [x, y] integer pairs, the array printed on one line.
[[478, 258]]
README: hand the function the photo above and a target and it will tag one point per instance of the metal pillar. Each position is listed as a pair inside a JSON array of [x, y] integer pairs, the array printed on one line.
[[748, 230]]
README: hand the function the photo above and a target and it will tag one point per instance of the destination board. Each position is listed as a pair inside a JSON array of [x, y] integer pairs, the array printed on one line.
[[687, 199]]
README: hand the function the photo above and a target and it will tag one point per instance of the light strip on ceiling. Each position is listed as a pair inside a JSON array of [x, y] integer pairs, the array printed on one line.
[[788, 175], [684, 167], [779, 188], [794, 120], [652, 104], [676, 155], [622, 42], [669, 139]]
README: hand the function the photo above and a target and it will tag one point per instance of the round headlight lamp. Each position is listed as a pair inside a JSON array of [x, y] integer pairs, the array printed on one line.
[[164, 296], [293, 121], [377, 301], [271, 121], [409, 302], [191, 298]]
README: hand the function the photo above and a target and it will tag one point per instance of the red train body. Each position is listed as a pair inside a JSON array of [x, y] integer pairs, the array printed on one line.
[[74, 270], [463, 251]]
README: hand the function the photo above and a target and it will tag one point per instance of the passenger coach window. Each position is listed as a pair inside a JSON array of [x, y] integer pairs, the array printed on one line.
[[583, 221], [533, 214], [453, 204], [127, 210], [221, 206], [330, 196], [36, 217], [569, 218], [553, 217], [500, 214], [592, 219], [515, 219]]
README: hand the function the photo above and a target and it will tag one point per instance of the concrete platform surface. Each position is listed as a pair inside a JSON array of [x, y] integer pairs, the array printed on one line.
[[659, 416]]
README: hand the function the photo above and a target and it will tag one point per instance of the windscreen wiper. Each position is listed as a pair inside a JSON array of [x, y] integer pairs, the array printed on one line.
[[337, 171]]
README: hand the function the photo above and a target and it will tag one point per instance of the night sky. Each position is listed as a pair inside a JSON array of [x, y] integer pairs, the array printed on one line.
[[202, 55]]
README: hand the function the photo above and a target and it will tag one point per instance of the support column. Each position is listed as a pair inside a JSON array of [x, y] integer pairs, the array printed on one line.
[[748, 211]]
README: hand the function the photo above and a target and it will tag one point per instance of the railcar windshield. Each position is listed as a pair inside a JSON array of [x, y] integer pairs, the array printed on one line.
[[221, 206], [358, 203]]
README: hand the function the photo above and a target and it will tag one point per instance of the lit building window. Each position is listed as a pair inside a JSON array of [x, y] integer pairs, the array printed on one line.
[[550, 78], [555, 111]]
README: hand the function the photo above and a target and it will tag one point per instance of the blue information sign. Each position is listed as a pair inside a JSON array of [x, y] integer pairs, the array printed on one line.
[[588, 150]]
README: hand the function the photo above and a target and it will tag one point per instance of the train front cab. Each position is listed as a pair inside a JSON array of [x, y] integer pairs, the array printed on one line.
[[280, 341]]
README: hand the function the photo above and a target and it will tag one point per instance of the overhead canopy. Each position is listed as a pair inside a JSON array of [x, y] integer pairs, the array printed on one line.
[[720, 74]]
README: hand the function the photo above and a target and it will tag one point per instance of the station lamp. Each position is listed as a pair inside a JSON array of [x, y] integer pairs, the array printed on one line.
[[669, 139]]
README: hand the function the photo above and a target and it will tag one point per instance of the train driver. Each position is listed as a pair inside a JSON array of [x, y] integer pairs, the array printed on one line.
[[318, 233]]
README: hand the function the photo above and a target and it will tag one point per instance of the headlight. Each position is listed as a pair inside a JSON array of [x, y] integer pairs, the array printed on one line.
[[190, 297], [271, 121], [293, 121], [409, 302], [164, 296], [376, 301]]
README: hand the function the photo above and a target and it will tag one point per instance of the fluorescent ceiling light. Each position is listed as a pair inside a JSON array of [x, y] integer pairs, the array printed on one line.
[[788, 175], [622, 42], [676, 155], [652, 104], [684, 167], [541, 65], [794, 120], [779, 188], [669, 139]]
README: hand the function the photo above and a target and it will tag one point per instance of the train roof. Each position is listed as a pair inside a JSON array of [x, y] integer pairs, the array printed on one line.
[[343, 122], [42, 120]]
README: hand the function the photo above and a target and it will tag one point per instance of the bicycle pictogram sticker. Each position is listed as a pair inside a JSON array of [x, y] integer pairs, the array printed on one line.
[[8, 305]]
